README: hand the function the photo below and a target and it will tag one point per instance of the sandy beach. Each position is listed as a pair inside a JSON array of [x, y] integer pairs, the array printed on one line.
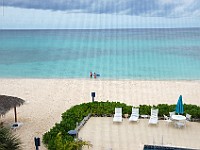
[[47, 99]]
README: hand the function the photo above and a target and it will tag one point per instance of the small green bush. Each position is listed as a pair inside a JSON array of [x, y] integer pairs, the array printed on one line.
[[8, 141]]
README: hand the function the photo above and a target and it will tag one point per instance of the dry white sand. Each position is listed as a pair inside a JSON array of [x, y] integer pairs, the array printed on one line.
[[49, 98]]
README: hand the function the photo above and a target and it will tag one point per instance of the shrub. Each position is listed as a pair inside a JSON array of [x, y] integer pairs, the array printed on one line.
[[8, 141], [70, 145]]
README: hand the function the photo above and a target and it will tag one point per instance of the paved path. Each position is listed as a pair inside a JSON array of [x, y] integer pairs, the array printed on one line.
[[106, 135]]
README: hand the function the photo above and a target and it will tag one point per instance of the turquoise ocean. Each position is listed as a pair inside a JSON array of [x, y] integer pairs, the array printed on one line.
[[141, 54]]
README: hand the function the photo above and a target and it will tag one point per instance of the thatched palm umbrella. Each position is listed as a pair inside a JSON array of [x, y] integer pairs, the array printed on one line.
[[8, 102]]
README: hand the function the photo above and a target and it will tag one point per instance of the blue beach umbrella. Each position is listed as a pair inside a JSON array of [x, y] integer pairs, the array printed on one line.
[[179, 106]]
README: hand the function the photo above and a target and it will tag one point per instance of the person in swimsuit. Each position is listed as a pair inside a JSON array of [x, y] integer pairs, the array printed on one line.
[[95, 76], [90, 74]]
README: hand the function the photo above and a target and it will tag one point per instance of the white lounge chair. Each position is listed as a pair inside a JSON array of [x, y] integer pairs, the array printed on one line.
[[118, 115], [154, 116], [135, 114]]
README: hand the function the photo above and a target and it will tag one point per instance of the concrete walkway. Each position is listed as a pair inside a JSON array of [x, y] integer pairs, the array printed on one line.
[[106, 135]]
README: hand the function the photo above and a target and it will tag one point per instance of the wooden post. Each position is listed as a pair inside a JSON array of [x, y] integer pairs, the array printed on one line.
[[15, 111]]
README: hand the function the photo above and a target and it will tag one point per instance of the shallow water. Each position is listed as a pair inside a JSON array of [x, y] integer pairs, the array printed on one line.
[[155, 54]]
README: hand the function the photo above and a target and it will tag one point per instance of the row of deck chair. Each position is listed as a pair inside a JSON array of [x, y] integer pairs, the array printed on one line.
[[118, 115], [154, 116], [135, 115]]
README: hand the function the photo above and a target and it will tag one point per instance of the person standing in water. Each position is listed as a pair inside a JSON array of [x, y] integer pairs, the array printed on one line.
[[95, 76], [90, 74]]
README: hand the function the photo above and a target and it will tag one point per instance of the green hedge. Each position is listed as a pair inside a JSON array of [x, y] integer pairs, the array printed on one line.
[[78, 112]]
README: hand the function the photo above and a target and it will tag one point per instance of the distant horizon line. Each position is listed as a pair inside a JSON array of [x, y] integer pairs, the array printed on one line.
[[96, 28]]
